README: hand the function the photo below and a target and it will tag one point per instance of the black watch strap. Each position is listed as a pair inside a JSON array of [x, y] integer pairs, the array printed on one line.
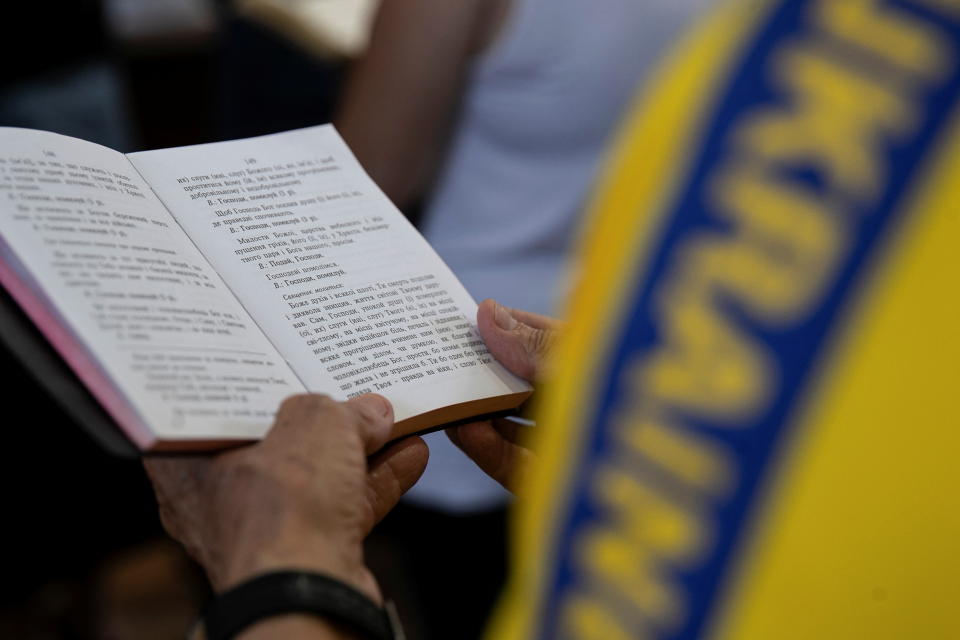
[[282, 592]]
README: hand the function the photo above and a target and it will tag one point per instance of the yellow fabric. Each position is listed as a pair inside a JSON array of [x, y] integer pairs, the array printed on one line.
[[641, 171], [859, 536], [854, 534]]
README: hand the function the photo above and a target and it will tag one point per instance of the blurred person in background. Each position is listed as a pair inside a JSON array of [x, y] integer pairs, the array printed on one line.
[[495, 115]]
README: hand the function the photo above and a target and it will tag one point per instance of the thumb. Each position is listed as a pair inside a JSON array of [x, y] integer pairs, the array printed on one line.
[[493, 447], [519, 340], [375, 415], [392, 472]]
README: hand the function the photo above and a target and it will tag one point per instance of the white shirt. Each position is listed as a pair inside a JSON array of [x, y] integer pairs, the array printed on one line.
[[540, 108]]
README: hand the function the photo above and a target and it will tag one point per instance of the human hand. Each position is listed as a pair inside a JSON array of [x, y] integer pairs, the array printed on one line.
[[520, 340], [304, 497]]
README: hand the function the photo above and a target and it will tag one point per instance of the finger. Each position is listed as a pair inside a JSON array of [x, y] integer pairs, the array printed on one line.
[[310, 421], [508, 429], [307, 423], [520, 347], [174, 475], [299, 415], [393, 472], [376, 420], [529, 318], [536, 320], [176, 484], [499, 457]]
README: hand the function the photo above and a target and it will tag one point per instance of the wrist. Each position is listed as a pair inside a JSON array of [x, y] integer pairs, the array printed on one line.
[[340, 560], [296, 626], [294, 604]]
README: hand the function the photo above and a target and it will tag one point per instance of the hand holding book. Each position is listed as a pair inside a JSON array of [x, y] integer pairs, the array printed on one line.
[[310, 472], [521, 341]]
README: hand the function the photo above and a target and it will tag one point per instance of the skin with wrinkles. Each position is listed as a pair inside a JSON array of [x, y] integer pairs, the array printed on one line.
[[307, 495], [520, 341], [304, 497]]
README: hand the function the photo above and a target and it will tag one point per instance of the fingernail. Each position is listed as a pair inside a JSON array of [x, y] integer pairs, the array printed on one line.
[[377, 402], [503, 319]]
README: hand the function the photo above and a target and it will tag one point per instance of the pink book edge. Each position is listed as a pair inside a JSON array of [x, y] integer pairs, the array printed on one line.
[[56, 330]]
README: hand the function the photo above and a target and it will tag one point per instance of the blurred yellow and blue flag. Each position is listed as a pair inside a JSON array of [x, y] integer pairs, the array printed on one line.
[[753, 428]]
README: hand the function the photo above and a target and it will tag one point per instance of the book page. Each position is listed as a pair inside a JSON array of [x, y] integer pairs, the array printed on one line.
[[126, 297], [348, 291]]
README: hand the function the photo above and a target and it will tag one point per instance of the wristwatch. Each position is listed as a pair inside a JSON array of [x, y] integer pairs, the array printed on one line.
[[301, 592]]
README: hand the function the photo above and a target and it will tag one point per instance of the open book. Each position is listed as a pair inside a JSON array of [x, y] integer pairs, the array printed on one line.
[[192, 289]]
